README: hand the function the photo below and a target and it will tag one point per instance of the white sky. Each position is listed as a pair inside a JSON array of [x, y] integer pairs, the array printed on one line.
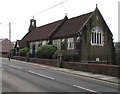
[[19, 13]]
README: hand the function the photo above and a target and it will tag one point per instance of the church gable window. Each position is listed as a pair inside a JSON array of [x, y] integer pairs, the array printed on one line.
[[97, 36]]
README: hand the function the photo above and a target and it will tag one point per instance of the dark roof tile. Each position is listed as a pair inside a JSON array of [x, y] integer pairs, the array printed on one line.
[[22, 43], [41, 32], [72, 26], [68, 28]]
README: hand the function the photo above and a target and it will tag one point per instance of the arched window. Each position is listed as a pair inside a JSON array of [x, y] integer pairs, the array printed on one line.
[[97, 36]]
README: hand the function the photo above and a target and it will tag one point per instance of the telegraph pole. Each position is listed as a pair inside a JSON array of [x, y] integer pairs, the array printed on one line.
[[9, 31], [10, 40]]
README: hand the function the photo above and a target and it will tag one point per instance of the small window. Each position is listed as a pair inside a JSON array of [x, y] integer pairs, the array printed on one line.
[[70, 43], [32, 23], [44, 42], [36, 44], [57, 43]]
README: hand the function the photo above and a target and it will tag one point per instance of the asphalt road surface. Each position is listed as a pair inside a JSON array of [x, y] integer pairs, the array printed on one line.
[[26, 77]]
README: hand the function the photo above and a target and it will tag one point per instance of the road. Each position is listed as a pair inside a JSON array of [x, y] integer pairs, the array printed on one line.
[[18, 76]]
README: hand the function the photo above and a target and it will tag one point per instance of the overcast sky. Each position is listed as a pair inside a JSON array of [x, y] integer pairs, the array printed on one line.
[[19, 13]]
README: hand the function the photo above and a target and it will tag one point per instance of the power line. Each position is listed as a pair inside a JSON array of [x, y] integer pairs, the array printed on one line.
[[48, 8], [41, 11]]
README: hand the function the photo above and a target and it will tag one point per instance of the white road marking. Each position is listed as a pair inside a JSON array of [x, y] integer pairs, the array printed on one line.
[[41, 75], [12, 66], [19, 68], [2, 63], [15, 67], [86, 89], [2, 69]]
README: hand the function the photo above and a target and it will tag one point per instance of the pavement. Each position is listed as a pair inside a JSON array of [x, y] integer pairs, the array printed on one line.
[[114, 80], [107, 78], [93, 76]]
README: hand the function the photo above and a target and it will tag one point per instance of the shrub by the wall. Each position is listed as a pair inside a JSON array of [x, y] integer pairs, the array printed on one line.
[[45, 51], [68, 55], [64, 53], [23, 51]]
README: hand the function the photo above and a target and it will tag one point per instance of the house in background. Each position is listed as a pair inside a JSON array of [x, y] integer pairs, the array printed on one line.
[[5, 46], [86, 37]]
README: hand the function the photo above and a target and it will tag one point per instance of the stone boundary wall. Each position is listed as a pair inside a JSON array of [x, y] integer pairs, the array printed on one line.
[[111, 70], [44, 61]]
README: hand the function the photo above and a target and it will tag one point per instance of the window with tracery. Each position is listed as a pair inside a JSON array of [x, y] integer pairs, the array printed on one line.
[[97, 36]]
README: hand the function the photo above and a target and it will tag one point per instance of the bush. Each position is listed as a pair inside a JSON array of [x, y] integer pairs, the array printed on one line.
[[64, 54], [46, 51], [67, 55], [23, 51], [13, 52]]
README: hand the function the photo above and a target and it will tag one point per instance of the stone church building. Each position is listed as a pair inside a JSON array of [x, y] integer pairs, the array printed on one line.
[[86, 36]]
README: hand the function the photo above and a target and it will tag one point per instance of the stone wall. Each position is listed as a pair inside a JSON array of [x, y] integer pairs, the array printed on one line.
[[111, 70], [91, 53]]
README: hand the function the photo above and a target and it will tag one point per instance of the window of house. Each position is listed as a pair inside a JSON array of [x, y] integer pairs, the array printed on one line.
[[97, 36], [57, 43], [31, 44], [43, 42], [78, 43], [36, 44], [70, 42], [63, 44]]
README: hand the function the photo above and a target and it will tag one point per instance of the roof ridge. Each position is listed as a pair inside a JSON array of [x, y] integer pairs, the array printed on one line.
[[58, 27], [82, 15], [49, 23], [68, 30]]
